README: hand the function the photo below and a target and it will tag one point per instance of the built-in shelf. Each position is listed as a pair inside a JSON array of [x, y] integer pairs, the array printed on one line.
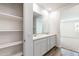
[[9, 30], [18, 54], [9, 16], [10, 44]]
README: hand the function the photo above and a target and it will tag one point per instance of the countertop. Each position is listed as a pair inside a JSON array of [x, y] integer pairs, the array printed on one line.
[[42, 36]]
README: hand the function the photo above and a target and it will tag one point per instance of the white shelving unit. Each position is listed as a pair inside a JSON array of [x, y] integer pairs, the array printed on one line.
[[9, 16], [18, 54], [11, 29], [10, 44]]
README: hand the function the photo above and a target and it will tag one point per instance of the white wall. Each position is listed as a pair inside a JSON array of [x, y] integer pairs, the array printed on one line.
[[51, 22], [45, 16], [71, 12], [69, 37], [28, 29], [54, 19]]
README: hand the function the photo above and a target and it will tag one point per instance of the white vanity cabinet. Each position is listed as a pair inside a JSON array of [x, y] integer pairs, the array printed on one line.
[[40, 47], [37, 47], [43, 45], [51, 42]]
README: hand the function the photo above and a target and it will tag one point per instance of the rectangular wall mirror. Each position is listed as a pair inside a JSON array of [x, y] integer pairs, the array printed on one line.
[[37, 23]]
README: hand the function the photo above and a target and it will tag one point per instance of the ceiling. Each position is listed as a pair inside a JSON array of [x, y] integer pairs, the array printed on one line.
[[55, 6]]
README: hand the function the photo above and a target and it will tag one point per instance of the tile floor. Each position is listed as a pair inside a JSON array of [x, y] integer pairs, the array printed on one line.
[[54, 52], [61, 52]]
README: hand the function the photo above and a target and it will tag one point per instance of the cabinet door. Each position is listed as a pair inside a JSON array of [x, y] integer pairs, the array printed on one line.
[[49, 44], [52, 41], [37, 46], [44, 46]]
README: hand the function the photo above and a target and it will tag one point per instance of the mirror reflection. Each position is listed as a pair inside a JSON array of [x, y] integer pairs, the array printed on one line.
[[37, 23]]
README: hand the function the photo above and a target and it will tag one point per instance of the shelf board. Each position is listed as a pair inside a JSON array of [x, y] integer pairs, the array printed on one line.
[[18, 54], [9, 16], [9, 30], [10, 44]]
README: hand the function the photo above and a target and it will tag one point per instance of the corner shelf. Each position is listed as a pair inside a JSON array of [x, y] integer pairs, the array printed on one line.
[[9, 16], [10, 44]]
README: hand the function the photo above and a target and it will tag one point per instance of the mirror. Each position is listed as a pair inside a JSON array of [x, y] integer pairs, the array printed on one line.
[[37, 23]]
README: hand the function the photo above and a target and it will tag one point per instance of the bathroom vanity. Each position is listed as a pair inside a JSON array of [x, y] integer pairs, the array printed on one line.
[[42, 40], [43, 43]]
